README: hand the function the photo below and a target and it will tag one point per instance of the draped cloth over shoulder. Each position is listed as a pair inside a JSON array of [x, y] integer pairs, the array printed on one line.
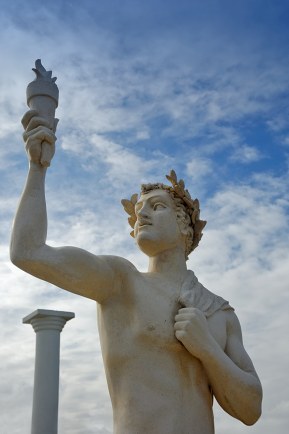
[[194, 294]]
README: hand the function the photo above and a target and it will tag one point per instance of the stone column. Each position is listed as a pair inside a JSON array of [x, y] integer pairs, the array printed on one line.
[[47, 325]]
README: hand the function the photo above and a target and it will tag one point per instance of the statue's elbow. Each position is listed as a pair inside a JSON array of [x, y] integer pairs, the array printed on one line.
[[253, 414], [15, 257], [20, 259], [253, 417]]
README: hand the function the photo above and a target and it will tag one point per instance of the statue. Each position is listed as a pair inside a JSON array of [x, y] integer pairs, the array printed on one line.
[[169, 345]]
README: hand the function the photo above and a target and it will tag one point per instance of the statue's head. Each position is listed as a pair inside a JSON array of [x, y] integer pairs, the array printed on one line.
[[186, 209]]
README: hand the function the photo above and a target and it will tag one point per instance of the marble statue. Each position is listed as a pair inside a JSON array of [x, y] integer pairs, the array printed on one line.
[[169, 345]]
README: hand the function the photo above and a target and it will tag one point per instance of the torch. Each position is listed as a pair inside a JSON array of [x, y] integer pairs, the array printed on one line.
[[42, 95]]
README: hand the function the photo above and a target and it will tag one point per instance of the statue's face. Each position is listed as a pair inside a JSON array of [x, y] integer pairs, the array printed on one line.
[[156, 229]]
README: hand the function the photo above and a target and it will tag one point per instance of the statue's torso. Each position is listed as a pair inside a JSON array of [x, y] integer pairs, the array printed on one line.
[[156, 385]]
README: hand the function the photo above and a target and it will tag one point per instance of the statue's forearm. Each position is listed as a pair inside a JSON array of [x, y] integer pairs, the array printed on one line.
[[237, 391], [30, 224]]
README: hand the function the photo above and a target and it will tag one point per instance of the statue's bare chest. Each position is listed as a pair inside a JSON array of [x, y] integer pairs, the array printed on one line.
[[156, 305], [144, 317]]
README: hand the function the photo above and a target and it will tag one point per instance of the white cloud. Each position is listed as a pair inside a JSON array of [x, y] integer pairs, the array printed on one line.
[[246, 154], [278, 122], [122, 164], [197, 169]]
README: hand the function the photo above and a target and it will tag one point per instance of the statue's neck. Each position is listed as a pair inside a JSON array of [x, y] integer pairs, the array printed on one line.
[[170, 263]]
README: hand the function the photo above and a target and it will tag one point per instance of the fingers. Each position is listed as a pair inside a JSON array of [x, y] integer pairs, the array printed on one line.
[[37, 121], [187, 313], [27, 117], [40, 145], [183, 321], [32, 120], [40, 153], [181, 326], [40, 134], [39, 137], [33, 150], [188, 309], [187, 318]]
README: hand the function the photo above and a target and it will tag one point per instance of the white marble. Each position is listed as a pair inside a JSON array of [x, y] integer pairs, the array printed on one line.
[[168, 344], [47, 325], [42, 98]]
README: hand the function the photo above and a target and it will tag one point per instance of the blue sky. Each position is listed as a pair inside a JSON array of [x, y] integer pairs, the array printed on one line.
[[201, 87]]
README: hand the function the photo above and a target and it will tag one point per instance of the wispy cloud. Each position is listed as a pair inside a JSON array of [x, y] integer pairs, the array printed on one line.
[[246, 154]]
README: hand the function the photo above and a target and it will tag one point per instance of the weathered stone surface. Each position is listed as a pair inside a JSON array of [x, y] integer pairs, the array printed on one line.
[[166, 353]]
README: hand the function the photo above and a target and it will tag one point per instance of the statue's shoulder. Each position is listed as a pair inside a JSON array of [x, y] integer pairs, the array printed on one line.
[[121, 265], [194, 294]]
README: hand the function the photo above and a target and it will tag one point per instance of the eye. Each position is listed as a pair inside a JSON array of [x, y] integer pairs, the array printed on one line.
[[158, 206]]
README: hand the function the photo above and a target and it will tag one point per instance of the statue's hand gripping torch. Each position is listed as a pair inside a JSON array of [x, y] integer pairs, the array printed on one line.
[[42, 95]]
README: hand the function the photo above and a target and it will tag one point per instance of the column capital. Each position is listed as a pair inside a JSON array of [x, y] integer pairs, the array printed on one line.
[[43, 319]]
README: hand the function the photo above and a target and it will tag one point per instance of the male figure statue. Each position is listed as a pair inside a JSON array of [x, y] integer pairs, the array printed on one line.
[[169, 345]]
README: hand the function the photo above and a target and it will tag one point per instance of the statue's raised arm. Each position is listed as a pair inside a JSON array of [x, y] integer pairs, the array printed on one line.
[[67, 267]]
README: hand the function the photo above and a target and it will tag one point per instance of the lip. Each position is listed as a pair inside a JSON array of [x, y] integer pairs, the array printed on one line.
[[143, 224]]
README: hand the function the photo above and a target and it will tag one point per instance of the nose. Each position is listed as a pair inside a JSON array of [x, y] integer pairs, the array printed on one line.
[[143, 211]]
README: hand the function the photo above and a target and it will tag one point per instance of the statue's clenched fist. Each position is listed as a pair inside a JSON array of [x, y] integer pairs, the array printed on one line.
[[39, 137], [191, 328]]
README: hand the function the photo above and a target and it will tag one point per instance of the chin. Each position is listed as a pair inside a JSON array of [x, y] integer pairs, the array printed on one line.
[[146, 245], [151, 246]]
